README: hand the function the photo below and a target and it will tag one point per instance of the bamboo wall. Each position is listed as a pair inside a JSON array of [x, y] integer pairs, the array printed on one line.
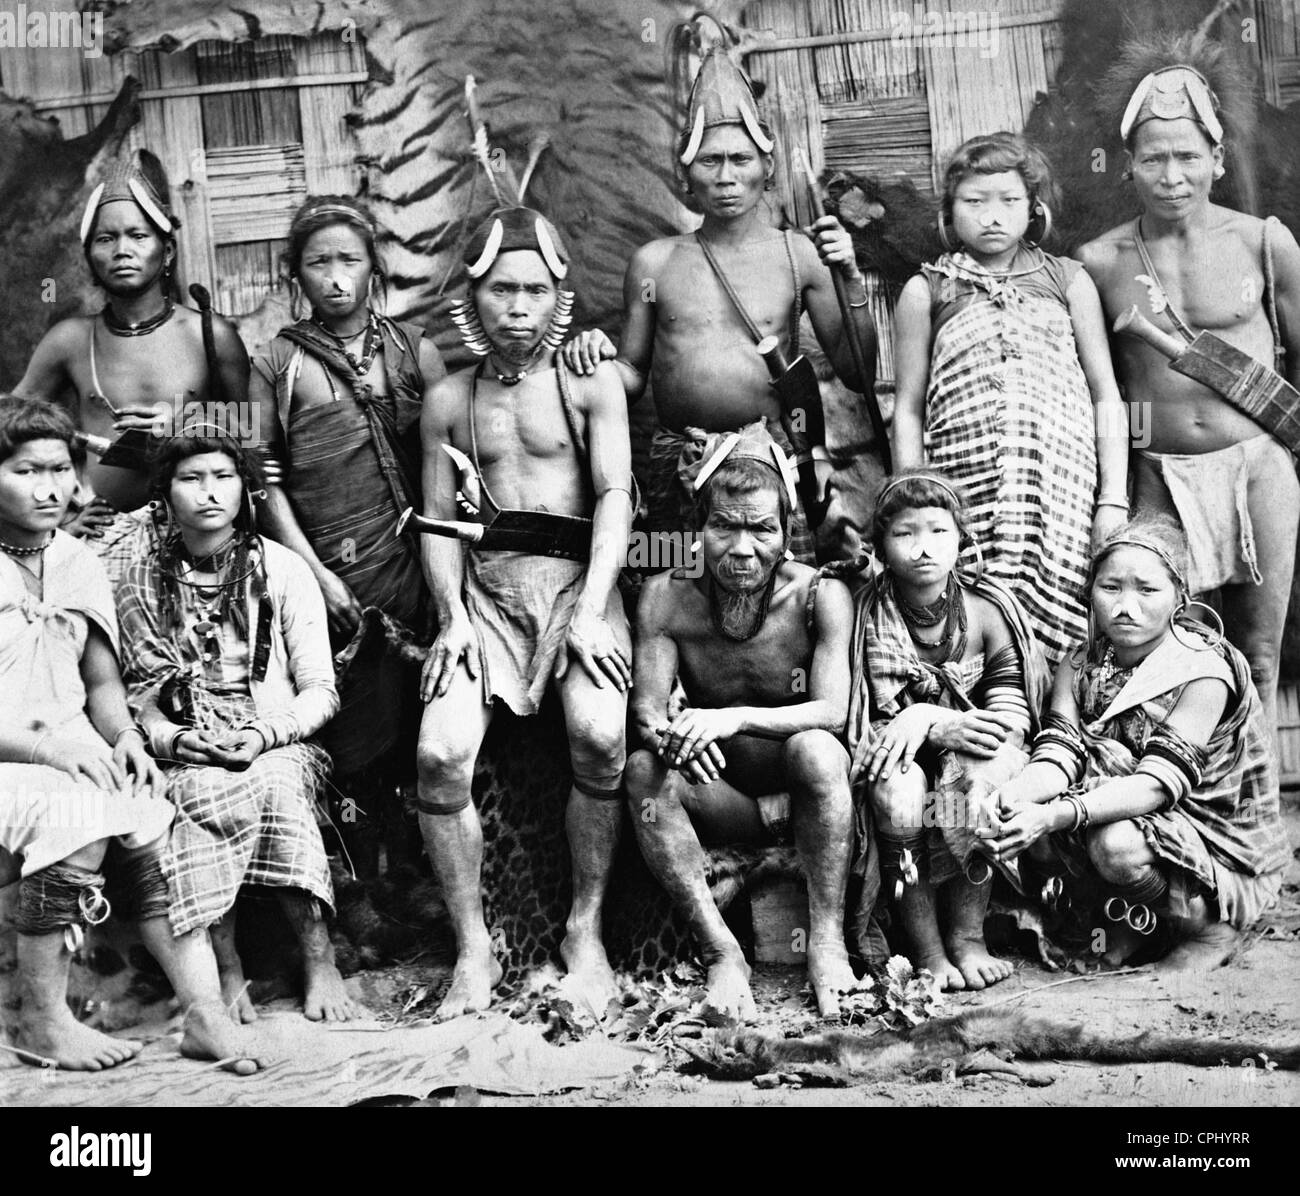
[[245, 132], [843, 80]]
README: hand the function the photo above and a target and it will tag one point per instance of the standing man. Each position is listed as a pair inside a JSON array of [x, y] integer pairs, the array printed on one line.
[[1191, 265], [340, 395], [138, 363], [762, 648], [510, 622], [681, 330]]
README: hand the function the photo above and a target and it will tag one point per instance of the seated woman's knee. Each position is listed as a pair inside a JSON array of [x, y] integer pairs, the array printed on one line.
[[899, 802], [90, 857], [1119, 851]]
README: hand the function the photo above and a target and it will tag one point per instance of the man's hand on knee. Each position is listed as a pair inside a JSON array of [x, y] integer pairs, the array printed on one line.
[[456, 641]]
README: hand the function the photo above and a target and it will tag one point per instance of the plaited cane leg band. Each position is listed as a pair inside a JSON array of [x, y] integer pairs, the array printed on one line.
[[59, 896], [901, 861], [439, 808], [139, 887], [603, 788]]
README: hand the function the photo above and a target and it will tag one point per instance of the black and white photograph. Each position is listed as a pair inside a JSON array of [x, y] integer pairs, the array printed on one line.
[[628, 553]]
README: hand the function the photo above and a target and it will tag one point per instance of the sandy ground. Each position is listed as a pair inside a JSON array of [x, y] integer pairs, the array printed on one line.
[[1254, 998]]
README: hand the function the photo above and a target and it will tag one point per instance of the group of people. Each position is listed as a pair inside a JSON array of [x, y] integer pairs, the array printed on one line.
[[189, 643]]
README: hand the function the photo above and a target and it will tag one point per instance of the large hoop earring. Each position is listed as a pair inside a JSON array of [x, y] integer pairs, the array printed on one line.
[[972, 578], [947, 237], [164, 523], [1042, 219], [1181, 613], [375, 291]]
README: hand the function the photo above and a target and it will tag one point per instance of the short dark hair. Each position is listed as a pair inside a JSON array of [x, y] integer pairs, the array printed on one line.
[[743, 475], [325, 211], [167, 457], [1158, 532], [912, 490], [996, 153], [23, 420]]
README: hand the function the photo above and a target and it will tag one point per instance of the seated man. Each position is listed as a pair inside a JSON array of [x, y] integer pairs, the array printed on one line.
[[75, 780], [762, 653], [541, 442]]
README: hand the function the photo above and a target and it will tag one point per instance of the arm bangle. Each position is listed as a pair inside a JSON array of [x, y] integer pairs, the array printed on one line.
[[40, 739], [131, 727]]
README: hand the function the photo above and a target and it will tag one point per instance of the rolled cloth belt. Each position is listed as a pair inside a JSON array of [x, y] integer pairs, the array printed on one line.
[[59, 896]]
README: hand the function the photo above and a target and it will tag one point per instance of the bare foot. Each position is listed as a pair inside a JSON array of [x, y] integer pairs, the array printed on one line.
[[326, 998], [234, 991], [728, 989], [946, 974], [978, 968], [211, 1034], [74, 1047], [1208, 946], [590, 979], [830, 976], [477, 974]]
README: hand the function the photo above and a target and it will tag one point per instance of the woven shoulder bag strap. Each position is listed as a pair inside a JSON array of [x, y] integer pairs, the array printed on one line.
[[741, 311], [797, 314], [1270, 294]]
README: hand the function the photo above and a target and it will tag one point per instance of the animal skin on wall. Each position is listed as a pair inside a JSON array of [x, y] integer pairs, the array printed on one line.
[[590, 75]]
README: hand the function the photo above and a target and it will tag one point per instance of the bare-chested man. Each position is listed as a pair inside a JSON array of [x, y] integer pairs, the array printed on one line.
[[1191, 265], [510, 622], [683, 335], [766, 674], [140, 362]]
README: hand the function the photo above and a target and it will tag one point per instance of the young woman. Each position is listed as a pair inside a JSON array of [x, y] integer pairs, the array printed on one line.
[[341, 394], [1152, 791], [1005, 383], [75, 779], [951, 679], [227, 656]]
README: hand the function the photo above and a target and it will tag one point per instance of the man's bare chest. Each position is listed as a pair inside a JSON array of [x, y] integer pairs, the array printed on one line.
[[771, 668], [1219, 287], [518, 424], [692, 296], [167, 366]]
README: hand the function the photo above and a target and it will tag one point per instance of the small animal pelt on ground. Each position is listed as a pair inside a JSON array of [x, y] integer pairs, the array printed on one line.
[[975, 1041]]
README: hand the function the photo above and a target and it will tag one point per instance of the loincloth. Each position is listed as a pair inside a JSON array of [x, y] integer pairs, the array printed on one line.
[[670, 499], [1209, 494], [521, 606]]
